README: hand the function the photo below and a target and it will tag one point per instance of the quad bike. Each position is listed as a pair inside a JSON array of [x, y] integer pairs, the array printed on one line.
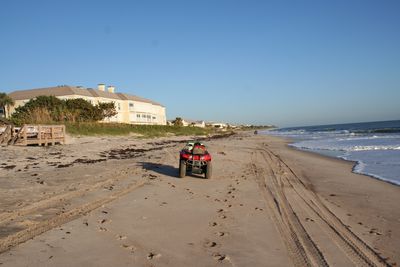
[[194, 158]]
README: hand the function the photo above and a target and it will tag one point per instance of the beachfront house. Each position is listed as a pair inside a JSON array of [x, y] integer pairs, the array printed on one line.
[[130, 108], [187, 122], [218, 125]]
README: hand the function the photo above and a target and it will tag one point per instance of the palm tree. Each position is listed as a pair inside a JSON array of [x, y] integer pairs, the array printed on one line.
[[5, 103], [178, 121]]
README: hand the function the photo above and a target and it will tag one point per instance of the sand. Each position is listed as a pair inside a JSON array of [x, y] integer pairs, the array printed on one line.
[[118, 202]]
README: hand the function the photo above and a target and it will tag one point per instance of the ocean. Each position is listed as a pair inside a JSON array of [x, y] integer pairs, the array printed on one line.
[[374, 146]]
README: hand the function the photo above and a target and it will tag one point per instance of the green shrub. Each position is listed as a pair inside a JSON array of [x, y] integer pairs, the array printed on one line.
[[88, 128], [50, 109]]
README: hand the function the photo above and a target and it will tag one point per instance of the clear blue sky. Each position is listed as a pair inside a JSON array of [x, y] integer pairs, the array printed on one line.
[[281, 62]]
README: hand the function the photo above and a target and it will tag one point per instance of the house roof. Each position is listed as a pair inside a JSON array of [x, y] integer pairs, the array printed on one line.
[[55, 91], [104, 94], [193, 121], [137, 98], [65, 90]]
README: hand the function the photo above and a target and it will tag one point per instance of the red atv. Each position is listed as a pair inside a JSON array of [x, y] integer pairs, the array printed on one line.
[[195, 158]]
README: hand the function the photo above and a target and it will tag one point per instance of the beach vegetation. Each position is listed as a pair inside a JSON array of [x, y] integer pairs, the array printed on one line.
[[178, 122], [120, 129], [50, 109], [5, 102]]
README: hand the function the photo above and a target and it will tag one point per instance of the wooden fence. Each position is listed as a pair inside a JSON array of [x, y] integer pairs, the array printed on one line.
[[33, 135]]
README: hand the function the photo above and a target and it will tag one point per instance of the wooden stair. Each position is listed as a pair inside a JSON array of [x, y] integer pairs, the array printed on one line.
[[42, 135]]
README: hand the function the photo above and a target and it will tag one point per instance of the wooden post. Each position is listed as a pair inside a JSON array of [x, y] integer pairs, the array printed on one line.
[[39, 135], [63, 134], [25, 134], [53, 142]]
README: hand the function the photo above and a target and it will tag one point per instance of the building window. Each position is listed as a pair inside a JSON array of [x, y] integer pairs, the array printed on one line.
[[138, 116], [130, 105], [154, 118], [119, 106]]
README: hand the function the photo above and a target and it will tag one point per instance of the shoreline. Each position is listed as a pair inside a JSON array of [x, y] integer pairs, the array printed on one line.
[[136, 210], [352, 197], [291, 141]]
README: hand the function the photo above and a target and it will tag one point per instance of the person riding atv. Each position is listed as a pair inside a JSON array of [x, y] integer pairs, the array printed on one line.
[[195, 158]]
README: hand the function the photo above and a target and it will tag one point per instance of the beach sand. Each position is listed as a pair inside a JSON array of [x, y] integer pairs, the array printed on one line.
[[118, 202]]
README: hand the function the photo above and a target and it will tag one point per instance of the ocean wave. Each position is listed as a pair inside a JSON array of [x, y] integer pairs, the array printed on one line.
[[346, 149], [360, 167], [368, 148]]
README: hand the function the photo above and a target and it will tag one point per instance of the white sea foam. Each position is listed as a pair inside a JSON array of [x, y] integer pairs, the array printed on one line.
[[377, 154], [365, 148]]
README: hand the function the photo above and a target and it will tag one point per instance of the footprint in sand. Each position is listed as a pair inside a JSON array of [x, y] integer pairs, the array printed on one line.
[[104, 221], [374, 231], [219, 256], [221, 234], [210, 244], [152, 176], [222, 216], [153, 255], [128, 247], [172, 185], [121, 237], [189, 191], [213, 224]]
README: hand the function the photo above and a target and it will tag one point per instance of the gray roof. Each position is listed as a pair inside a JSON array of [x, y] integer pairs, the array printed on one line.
[[137, 98], [105, 94], [65, 90], [55, 91]]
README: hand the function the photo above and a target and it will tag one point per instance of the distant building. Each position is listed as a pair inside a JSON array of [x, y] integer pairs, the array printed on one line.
[[187, 122], [219, 125], [200, 123], [130, 109]]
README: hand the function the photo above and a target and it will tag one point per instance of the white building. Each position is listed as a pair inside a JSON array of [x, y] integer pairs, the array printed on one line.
[[130, 108]]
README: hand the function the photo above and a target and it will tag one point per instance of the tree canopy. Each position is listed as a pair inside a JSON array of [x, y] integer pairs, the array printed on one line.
[[5, 102], [178, 121], [50, 109]]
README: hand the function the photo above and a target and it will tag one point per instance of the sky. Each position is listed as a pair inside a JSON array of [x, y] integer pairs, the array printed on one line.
[[287, 63]]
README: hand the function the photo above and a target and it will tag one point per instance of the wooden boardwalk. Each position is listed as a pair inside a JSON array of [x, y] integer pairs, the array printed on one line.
[[42, 135]]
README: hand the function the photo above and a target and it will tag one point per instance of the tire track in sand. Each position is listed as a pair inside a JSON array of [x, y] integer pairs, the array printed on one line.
[[57, 199], [289, 199], [41, 227]]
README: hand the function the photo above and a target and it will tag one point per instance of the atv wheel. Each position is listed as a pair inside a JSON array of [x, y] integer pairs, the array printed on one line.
[[208, 171], [182, 168]]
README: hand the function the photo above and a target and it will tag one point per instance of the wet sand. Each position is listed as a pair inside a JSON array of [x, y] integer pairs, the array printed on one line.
[[118, 202]]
